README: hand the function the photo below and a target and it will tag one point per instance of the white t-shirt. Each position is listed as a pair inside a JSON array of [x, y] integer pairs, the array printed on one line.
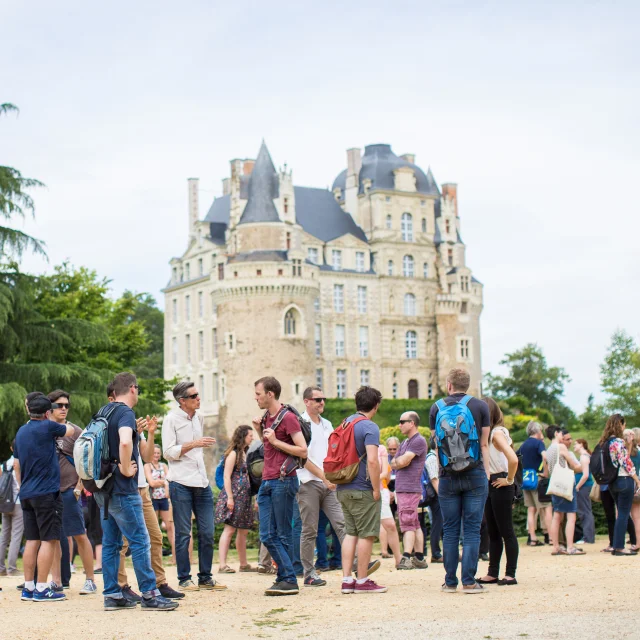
[[497, 460], [431, 464], [142, 479], [317, 448], [10, 469]]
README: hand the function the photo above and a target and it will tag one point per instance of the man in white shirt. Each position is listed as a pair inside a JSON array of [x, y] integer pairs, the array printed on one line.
[[12, 527], [182, 444], [316, 492]]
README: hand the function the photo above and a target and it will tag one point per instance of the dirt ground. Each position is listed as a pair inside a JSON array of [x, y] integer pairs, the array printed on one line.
[[593, 596]]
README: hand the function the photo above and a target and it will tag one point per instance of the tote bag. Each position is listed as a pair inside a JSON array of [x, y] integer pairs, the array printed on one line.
[[562, 481], [595, 494]]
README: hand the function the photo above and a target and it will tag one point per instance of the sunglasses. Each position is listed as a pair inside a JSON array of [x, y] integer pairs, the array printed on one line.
[[60, 405], [403, 421], [318, 399], [193, 396]]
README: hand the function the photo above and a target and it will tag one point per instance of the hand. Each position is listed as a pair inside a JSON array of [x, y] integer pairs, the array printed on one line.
[[392, 497], [270, 435], [376, 495], [329, 485], [393, 464], [257, 421], [141, 424], [129, 470], [230, 504], [501, 482], [152, 423], [205, 443]]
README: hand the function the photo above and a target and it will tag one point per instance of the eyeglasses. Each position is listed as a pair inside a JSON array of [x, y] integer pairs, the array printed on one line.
[[61, 405], [403, 421], [136, 387], [319, 399], [193, 396]]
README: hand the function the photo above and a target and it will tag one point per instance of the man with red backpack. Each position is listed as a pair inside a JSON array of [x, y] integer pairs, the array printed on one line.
[[360, 498]]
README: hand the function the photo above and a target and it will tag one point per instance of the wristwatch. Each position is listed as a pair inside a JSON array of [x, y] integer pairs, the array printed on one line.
[[77, 492]]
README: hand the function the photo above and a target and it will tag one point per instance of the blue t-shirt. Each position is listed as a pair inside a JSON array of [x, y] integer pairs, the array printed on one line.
[[35, 449], [366, 432], [531, 450], [123, 416]]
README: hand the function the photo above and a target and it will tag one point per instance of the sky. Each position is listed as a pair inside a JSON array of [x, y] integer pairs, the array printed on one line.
[[531, 107]]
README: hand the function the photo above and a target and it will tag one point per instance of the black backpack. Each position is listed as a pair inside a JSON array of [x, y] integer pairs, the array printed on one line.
[[7, 498], [602, 467]]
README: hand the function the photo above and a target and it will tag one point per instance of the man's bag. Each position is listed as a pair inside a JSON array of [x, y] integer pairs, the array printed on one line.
[[7, 497], [601, 466], [562, 482], [457, 436], [530, 479], [342, 461]]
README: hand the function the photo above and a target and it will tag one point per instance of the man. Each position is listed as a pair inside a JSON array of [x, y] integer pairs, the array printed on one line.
[[533, 453], [409, 463], [125, 514], [360, 499], [578, 534], [279, 482], [38, 475], [70, 490], [182, 445], [463, 492], [12, 524], [431, 464], [316, 493]]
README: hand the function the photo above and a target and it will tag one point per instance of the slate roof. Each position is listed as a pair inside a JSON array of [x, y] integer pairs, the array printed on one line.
[[263, 189], [378, 165], [259, 256]]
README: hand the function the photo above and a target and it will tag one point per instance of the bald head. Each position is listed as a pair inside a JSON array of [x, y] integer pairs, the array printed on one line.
[[409, 422]]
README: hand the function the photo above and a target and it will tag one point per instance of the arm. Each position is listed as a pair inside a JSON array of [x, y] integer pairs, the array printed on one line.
[[70, 431], [16, 470], [435, 482], [171, 450], [545, 466], [128, 467], [147, 446], [153, 482], [373, 466], [501, 444], [623, 459], [403, 461], [229, 464], [484, 447], [298, 448], [564, 452], [584, 464], [318, 473]]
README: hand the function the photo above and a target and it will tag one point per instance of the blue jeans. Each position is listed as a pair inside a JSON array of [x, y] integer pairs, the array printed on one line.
[[199, 501], [275, 504], [622, 491], [322, 547], [295, 539], [125, 519], [462, 495], [435, 513]]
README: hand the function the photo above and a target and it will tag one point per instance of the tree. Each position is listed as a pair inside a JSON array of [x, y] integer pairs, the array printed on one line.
[[620, 377], [594, 417], [15, 201]]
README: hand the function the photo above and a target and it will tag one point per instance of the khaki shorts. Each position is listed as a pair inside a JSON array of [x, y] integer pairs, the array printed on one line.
[[531, 500], [361, 513]]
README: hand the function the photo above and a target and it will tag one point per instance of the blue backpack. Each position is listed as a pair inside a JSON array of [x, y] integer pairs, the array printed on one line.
[[428, 492], [530, 479], [220, 474], [457, 436]]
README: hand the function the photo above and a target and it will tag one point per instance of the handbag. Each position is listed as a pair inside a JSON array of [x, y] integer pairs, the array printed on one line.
[[543, 485], [562, 482], [595, 493]]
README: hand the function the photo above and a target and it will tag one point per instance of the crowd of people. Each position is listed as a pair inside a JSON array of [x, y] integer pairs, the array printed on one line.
[[464, 482]]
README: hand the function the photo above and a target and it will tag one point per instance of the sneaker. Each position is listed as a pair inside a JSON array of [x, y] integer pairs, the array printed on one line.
[[314, 581], [130, 594], [419, 564], [437, 559], [115, 604], [27, 595], [20, 586], [48, 595], [322, 569], [72, 567], [348, 586], [56, 588], [369, 586], [158, 603], [211, 585], [473, 588], [484, 556], [579, 542], [167, 592], [89, 587], [449, 588], [404, 564], [265, 568], [282, 588], [13, 572], [188, 585]]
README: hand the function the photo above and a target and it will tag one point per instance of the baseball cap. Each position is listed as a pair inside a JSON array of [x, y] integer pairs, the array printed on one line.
[[39, 405]]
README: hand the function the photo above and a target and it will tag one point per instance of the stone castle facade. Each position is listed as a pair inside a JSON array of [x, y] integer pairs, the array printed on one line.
[[363, 284]]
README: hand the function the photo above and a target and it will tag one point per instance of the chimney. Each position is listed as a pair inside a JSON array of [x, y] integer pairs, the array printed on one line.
[[194, 209], [450, 191], [247, 167], [409, 157], [226, 186], [354, 162]]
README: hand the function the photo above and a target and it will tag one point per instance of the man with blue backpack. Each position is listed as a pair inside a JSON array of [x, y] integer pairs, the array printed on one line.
[[461, 426]]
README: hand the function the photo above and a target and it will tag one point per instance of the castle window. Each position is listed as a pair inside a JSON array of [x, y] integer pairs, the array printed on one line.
[[200, 304], [290, 323], [235, 274], [216, 391], [318, 340], [413, 389], [174, 350], [201, 387], [424, 225], [464, 307], [388, 221], [464, 348], [312, 254], [359, 260], [411, 345], [362, 299], [221, 271], [316, 305], [174, 278], [336, 259], [409, 304], [407, 227], [215, 343], [187, 271], [364, 377], [280, 272], [363, 335], [230, 341], [464, 283], [288, 240], [387, 199], [200, 267], [338, 298], [430, 391], [174, 310], [447, 226], [394, 391], [390, 268], [258, 272], [286, 205], [319, 377], [200, 346], [223, 389], [425, 270], [422, 203], [340, 332], [297, 267], [341, 383], [187, 308], [407, 266], [450, 257], [188, 347]]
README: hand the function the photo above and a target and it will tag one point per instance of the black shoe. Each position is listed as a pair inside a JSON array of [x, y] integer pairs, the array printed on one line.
[[128, 553], [158, 603], [115, 604], [314, 581], [171, 594], [437, 559], [484, 556], [283, 588], [166, 552], [130, 594], [20, 587], [546, 538], [56, 588]]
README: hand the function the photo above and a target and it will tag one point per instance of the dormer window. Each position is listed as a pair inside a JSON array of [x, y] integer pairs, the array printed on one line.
[[286, 205], [336, 259]]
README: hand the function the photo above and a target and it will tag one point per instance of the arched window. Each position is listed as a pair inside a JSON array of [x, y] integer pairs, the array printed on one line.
[[388, 222], [411, 345], [394, 390], [409, 304], [424, 225], [390, 268], [407, 266], [407, 227], [425, 270], [413, 389], [290, 323]]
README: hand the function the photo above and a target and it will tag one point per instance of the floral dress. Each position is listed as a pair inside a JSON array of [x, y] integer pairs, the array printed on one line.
[[242, 515]]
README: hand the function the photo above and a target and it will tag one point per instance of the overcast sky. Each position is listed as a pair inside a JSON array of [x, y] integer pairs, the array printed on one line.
[[531, 107]]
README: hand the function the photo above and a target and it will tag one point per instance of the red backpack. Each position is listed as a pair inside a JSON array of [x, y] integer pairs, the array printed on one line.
[[342, 461]]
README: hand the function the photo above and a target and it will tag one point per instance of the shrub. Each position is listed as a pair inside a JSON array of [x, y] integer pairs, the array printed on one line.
[[394, 432]]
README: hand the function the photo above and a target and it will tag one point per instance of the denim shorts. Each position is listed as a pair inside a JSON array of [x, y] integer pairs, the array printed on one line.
[[72, 518], [565, 506]]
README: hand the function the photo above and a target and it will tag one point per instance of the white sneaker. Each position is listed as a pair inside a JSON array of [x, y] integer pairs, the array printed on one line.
[[89, 587], [72, 567], [579, 542]]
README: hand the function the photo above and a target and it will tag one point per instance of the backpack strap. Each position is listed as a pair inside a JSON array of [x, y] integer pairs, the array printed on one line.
[[441, 404], [465, 400]]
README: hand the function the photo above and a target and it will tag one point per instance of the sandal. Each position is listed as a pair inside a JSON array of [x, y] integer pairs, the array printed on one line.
[[247, 568], [494, 581], [574, 552], [535, 543], [606, 550], [226, 569], [385, 556]]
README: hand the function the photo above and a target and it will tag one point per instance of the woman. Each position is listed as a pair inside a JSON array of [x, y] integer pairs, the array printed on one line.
[[388, 532], [558, 453], [632, 440], [234, 501], [584, 483], [623, 487], [503, 464], [156, 474]]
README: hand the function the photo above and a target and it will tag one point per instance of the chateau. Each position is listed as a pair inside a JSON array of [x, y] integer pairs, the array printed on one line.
[[363, 284]]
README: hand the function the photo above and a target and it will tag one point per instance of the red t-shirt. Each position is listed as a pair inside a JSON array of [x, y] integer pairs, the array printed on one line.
[[273, 458]]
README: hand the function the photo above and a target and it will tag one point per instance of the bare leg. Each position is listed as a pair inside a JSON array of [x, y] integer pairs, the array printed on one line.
[[45, 558], [29, 558], [554, 531], [532, 516], [389, 526], [409, 541], [570, 529], [348, 554], [86, 554], [224, 544], [548, 514], [418, 545], [241, 546], [56, 558], [365, 546], [384, 544], [98, 552]]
